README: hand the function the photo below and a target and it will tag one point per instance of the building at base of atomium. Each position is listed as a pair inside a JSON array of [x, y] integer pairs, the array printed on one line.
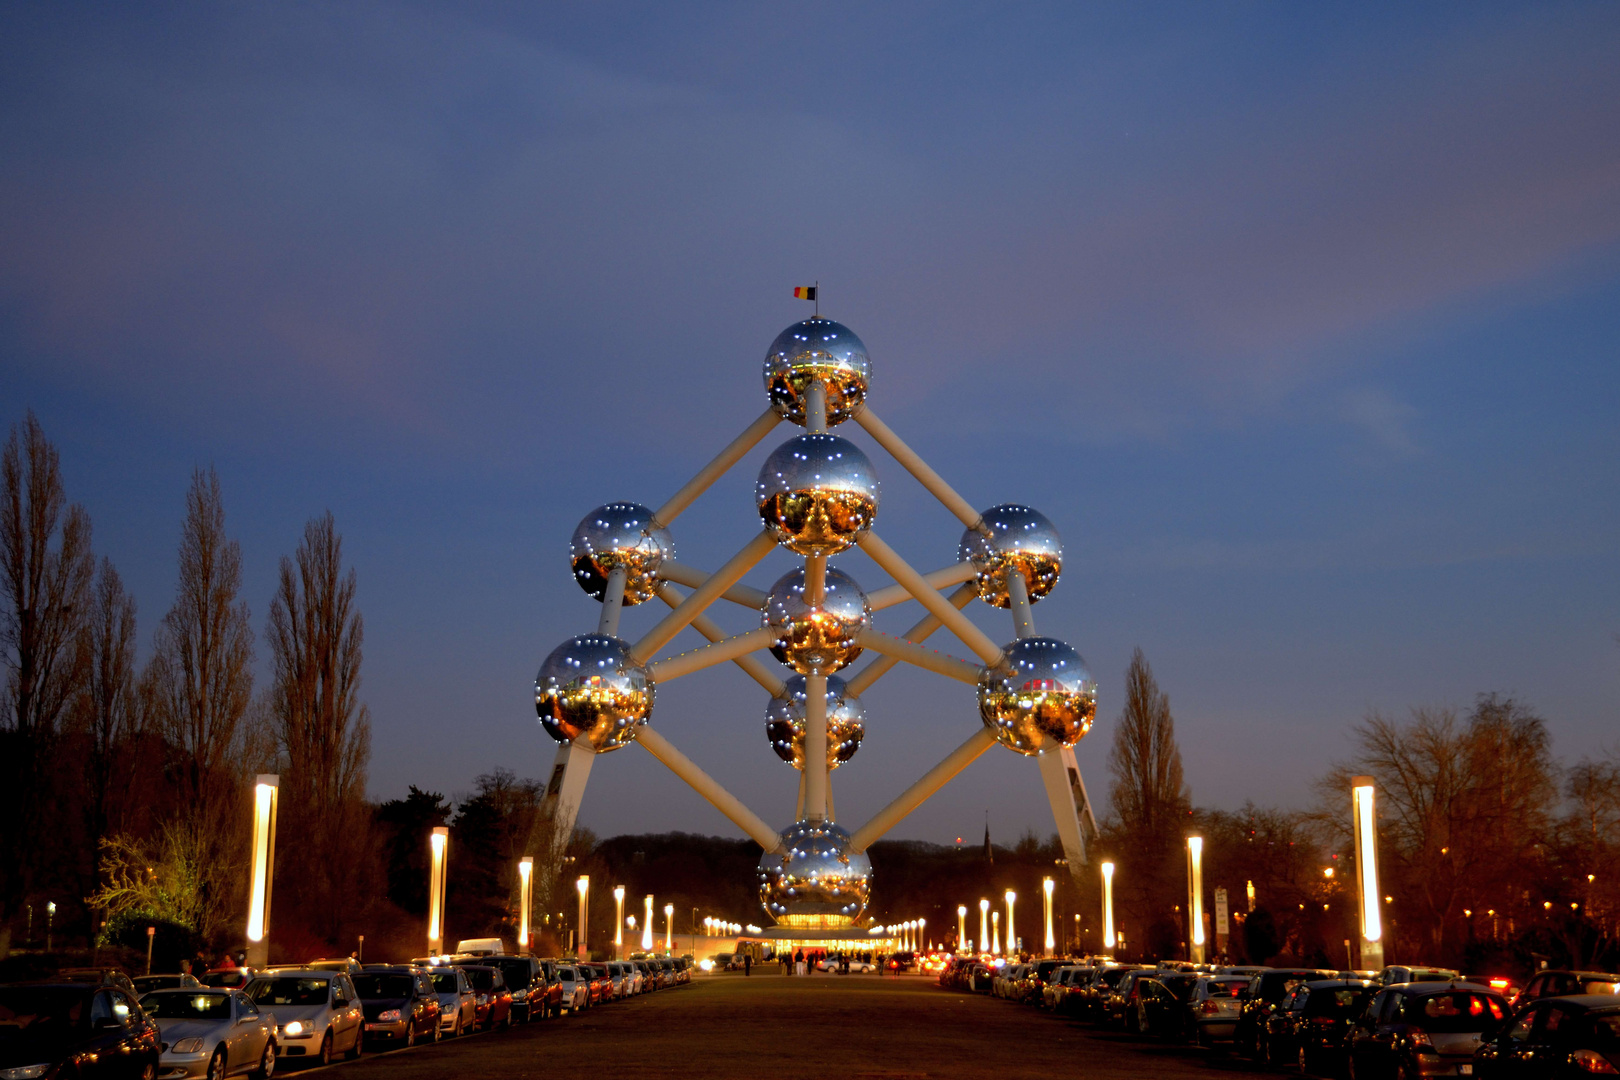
[[818, 495]]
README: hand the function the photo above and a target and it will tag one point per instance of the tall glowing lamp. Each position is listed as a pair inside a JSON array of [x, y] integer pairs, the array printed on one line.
[[581, 949], [1108, 907], [266, 788], [961, 927], [1009, 940], [984, 925], [1195, 902], [1362, 790], [1050, 944], [646, 927], [618, 922], [525, 898], [438, 844]]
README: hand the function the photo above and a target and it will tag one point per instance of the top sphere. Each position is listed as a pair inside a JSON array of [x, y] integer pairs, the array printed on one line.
[[817, 350], [1021, 540], [615, 535]]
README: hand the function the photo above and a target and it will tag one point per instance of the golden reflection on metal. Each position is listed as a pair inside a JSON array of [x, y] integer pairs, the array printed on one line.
[[817, 494], [816, 640], [620, 534], [814, 880], [590, 691], [1039, 697], [1018, 539], [846, 723], [817, 350]]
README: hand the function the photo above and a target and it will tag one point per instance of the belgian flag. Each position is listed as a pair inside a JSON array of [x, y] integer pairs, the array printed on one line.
[[804, 292]]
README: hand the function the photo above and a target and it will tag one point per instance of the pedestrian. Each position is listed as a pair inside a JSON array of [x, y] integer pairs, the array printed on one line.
[[748, 963], [787, 966], [226, 963]]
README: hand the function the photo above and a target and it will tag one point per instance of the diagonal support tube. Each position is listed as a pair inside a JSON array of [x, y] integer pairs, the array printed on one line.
[[705, 594], [1018, 595], [919, 468], [709, 655], [692, 578], [702, 783], [928, 597], [756, 669], [890, 595], [918, 793], [881, 666], [920, 655], [665, 515]]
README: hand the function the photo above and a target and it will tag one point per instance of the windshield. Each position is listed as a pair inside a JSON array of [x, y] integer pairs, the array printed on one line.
[[481, 980], [1453, 1013], [288, 991], [1606, 1030], [377, 987], [444, 982], [1224, 988], [178, 1005], [516, 972], [27, 1008], [1599, 986]]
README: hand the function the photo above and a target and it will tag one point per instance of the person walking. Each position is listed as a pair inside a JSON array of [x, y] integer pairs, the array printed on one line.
[[748, 964]]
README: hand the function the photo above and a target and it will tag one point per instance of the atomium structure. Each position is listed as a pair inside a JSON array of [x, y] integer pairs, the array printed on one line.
[[818, 495]]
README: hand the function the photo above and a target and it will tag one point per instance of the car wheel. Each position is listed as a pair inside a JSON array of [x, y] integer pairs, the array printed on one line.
[[216, 1065], [326, 1049], [456, 1031], [1304, 1061], [358, 1048], [410, 1035], [437, 1031], [267, 1062], [149, 1071]]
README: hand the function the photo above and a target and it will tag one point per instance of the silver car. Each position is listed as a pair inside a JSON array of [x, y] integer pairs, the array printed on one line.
[[316, 1013], [211, 1034], [1216, 1003], [576, 992], [458, 1002]]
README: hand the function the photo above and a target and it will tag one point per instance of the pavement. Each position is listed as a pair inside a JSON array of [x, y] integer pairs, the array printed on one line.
[[818, 1027]]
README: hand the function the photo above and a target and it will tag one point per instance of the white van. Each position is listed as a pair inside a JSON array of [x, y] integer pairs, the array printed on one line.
[[481, 946]]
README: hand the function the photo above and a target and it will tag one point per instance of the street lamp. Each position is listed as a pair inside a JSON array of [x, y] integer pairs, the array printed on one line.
[[438, 842], [961, 926], [1108, 906], [995, 933], [618, 921], [265, 789], [669, 928], [984, 924], [1195, 883], [922, 933], [525, 896], [1050, 944], [1012, 941], [1372, 923], [581, 950], [646, 927], [50, 916]]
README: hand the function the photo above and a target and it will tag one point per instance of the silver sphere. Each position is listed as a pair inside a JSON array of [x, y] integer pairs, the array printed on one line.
[[817, 493], [1039, 697], [785, 718], [1021, 540], [589, 690], [817, 350], [615, 535], [815, 881], [816, 640]]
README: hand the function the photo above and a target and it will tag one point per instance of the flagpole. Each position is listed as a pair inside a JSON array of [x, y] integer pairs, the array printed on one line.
[[818, 298]]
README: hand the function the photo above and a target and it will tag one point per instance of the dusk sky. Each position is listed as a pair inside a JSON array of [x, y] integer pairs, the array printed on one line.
[[1299, 321]]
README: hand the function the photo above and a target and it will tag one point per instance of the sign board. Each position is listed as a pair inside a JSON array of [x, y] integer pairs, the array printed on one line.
[[1221, 913]]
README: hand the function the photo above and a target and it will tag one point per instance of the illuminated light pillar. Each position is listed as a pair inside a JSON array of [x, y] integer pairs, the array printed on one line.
[[922, 934], [984, 925], [669, 927], [1366, 824], [995, 933], [438, 842], [1010, 938], [525, 897], [266, 788], [961, 927], [1108, 907], [646, 927], [1050, 944], [581, 949], [618, 922], [1195, 906]]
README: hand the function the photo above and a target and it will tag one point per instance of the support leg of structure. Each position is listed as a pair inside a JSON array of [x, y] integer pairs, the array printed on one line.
[[709, 655], [920, 655], [815, 408], [702, 783], [918, 793], [665, 515], [957, 623], [612, 602], [1066, 792], [890, 595], [559, 806], [815, 747]]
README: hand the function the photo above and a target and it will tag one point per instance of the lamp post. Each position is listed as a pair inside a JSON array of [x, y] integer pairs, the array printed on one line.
[[1011, 940], [995, 933], [1108, 907], [438, 842], [922, 934], [984, 924], [1195, 906], [669, 928], [1050, 944], [646, 927], [525, 896], [618, 922], [961, 927], [50, 916], [1366, 827], [582, 949], [266, 787]]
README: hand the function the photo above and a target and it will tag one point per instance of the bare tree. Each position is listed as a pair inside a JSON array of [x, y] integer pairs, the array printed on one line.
[[46, 566], [108, 708]]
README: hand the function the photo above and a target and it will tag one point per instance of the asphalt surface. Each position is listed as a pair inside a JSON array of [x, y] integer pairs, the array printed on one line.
[[824, 1027]]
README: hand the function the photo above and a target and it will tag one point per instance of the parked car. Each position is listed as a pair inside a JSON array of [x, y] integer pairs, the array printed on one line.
[[399, 1004], [1093, 994], [553, 990], [1161, 1005], [1214, 1006], [1424, 1029], [346, 964], [524, 976], [1312, 1026], [235, 978], [1265, 992], [576, 989], [1395, 975], [1545, 984], [491, 999], [458, 1006], [65, 1029], [211, 1034], [317, 1013], [1555, 1038], [98, 976], [145, 984]]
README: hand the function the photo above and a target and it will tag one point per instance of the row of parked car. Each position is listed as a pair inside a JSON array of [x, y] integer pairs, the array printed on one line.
[[99, 1023], [1399, 1023]]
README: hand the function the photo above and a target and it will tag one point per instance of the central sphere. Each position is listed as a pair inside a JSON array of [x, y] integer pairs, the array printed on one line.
[[817, 350], [615, 535], [817, 493], [816, 640], [815, 881], [1021, 540], [1039, 697], [590, 691], [785, 719]]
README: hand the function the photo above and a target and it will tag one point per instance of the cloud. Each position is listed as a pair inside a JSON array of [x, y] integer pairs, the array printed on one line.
[[1385, 420]]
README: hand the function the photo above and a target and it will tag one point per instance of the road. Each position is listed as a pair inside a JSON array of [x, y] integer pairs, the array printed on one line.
[[818, 1028]]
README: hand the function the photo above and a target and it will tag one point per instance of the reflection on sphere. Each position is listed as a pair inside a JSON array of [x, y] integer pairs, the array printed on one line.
[[1021, 540], [785, 720], [1039, 697], [817, 493], [590, 691], [816, 640]]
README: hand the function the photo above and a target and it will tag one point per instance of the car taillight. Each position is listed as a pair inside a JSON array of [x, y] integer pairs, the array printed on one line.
[[1209, 1008], [1593, 1062], [1324, 1021], [1420, 1042]]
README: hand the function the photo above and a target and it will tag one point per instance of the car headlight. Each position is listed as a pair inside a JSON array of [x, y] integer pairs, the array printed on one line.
[[520, 995], [294, 1028], [25, 1072], [388, 1016], [187, 1046]]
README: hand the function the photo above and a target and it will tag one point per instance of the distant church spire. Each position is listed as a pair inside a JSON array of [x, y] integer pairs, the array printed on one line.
[[989, 853]]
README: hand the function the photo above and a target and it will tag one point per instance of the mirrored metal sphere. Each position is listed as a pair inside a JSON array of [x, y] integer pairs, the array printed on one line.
[[846, 722], [1039, 697], [620, 534], [816, 640], [590, 691], [818, 493], [1020, 539], [815, 881], [817, 349]]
